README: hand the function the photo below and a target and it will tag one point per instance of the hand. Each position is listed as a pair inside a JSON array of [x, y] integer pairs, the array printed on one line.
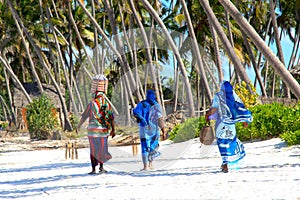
[[164, 134], [206, 117], [245, 124], [112, 133]]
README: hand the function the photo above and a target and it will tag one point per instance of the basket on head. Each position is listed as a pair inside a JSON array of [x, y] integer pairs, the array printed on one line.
[[99, 84]]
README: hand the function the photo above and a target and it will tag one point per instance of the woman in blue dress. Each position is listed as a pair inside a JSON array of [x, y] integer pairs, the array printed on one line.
[[150, 119], [228, 109]]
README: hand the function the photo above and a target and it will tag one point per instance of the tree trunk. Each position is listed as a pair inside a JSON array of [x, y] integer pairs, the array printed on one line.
[[116, 51], [252, 34], [13, 116], [147, 49], [71, 18], [14, 77], [156, 17], [32, 67], [16, 17], [229, 48], [60, 57], [257, 73], [196, 50], [217, 52], [278, 44]]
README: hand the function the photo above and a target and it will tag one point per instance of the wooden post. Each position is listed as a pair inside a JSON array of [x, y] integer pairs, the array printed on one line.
[[69, 149], [66, 152], [134, 148], [76, 152], [72, 146]]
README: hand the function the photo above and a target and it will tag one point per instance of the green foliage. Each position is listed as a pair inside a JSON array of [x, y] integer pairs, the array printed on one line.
[[291, 138], [185, 131], [41, 119], [270, 120], [74, 120], [248, 98], [202, 122], [3, 125]]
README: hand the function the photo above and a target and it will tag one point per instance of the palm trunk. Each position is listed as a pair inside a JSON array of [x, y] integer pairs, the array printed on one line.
[[196, 50], [147, 49], [43, 61], [263, 90], [80, 39], [14, 77], [68, 82], [278, 44], [217, 52], [176, 52], [13, 116], [252, 34], [116, 51], [227, 45]]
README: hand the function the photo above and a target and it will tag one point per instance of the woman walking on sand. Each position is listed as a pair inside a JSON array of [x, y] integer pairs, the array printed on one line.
[[101, 121], [149, 116], [228, 109]]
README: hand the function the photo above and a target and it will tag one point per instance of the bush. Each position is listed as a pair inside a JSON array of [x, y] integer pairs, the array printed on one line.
[[185, 131], [248, 98], [41, 119], [291, 138], [270, 120]]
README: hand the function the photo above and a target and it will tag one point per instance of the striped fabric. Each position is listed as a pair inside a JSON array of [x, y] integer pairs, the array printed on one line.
[[99, 150], [92, 111]]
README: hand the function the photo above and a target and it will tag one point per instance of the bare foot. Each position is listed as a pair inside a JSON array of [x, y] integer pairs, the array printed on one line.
[[150, 166]]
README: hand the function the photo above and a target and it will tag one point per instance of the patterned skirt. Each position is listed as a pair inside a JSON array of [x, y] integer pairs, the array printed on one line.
[[99, 150]]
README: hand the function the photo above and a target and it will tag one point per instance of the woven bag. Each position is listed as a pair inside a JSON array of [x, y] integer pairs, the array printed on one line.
[[207, 135]]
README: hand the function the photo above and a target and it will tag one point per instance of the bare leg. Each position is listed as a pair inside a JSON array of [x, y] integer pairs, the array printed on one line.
[[150, 165]]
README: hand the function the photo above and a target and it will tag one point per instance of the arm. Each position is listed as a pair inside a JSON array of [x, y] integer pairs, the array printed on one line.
[[161, 124], [112, 132], [209, 113], [84, 116]]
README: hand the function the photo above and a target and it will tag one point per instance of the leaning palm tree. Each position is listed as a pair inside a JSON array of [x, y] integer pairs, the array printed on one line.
[[156, 17], [260, 44], [226, 43], [196, 50], [44, 63]]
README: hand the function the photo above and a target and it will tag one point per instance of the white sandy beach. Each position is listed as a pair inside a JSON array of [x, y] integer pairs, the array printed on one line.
[[270, 170]]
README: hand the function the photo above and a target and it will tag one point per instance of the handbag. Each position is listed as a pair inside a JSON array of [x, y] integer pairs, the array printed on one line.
[[207, 134]]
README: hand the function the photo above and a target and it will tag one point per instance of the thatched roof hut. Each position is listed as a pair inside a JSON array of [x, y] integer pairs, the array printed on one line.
[[20, 101]]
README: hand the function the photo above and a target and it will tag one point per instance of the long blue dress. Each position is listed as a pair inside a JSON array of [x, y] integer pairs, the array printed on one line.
[[230, 110], [148, 112]]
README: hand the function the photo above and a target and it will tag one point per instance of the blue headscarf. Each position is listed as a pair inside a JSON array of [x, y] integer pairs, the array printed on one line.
[[141, 112], [151, 97], [232, 109]]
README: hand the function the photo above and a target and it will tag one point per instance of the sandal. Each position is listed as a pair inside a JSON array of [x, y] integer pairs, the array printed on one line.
[[102, 171], [92, 172]]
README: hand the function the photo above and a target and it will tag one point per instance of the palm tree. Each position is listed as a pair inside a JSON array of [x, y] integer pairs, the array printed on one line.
[[227, 45], [44, 63], [196, 50], [156, 17], [260, 44]]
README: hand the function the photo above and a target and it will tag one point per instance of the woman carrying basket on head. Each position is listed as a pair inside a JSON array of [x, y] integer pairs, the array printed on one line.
[[101, 123]]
